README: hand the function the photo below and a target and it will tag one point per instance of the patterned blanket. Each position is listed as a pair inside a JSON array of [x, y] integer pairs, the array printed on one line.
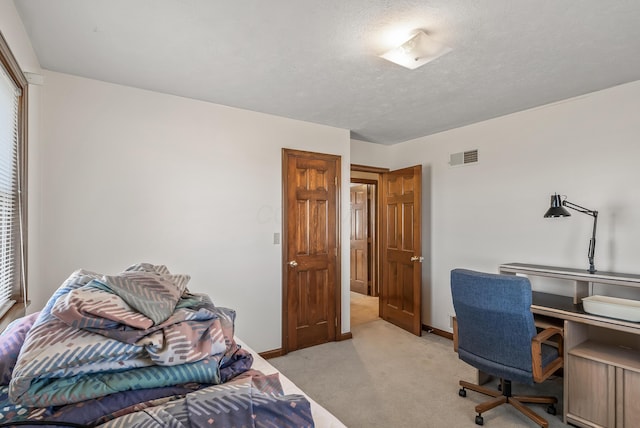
[[96, 410], [238, 403], [101, 334]]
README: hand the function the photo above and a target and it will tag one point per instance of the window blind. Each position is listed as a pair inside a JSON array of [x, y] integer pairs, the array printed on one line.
[[9, 191]]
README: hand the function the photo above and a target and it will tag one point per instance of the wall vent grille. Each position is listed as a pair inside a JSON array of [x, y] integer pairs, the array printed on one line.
[[463, 158]]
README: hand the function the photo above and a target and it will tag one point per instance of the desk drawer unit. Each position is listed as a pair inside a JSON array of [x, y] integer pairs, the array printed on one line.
[[603, 386]]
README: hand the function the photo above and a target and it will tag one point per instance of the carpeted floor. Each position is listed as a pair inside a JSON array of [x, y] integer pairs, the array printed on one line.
[[386, 377]]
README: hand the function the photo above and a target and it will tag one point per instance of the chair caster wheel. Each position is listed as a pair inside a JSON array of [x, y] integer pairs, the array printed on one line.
[[551, 409], [462, 392], [479, 420]]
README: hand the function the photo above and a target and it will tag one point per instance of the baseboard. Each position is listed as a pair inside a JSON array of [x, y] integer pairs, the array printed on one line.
[[344, 336], [272, 354], [437, 332], [280, 352]]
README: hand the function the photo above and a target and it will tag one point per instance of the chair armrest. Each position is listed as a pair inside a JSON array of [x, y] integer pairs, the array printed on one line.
[[455, 334], [541, 373]]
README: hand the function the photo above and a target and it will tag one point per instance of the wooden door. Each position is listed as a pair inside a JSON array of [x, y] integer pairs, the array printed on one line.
[[359, 239], [401, 291], [311, 298]]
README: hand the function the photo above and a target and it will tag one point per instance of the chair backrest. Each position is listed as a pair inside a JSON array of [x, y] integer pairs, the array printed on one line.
[[495, 323]]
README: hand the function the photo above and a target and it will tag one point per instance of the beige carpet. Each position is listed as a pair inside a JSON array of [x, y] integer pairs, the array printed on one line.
[[386, 377]]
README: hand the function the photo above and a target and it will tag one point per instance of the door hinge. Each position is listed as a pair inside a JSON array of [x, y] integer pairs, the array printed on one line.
[[335, 180], [336, 322]]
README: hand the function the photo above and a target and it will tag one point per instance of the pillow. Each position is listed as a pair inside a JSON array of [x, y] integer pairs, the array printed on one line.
[[10, 344]]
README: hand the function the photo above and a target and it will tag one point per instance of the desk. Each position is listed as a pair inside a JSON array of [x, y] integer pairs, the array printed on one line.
[[602, 355]]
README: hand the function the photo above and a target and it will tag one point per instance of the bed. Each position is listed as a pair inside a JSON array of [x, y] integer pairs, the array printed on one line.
[[321, 416], [137, 349]]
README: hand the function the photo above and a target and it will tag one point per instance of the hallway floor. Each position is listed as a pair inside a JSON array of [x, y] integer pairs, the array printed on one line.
[[364, 309]]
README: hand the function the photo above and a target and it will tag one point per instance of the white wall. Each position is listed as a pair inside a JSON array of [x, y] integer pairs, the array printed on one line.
[[369, 154], [479, 216], [132, 175], [16, 36]]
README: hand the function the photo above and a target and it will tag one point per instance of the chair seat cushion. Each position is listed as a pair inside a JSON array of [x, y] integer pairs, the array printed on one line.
[[514, 374], [549, 353]]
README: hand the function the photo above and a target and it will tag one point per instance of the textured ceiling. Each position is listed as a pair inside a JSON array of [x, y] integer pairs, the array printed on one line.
[[317, 60]]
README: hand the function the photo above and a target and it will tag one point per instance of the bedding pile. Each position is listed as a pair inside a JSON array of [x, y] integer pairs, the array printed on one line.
[[136, 345]]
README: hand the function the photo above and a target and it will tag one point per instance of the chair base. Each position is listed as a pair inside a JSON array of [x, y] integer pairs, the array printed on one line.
[[505, 397]]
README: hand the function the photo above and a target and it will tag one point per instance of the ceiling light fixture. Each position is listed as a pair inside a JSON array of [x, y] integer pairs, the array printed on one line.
[[418, 50]]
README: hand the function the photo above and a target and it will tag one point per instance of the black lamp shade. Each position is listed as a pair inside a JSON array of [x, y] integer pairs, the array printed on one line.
[[556, 209]]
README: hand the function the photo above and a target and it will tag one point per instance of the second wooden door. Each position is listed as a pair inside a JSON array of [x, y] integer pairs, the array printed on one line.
[[359, 239], [401, 290]]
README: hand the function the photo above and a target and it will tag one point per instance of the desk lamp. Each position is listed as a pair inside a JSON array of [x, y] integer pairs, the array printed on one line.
[[557, 210]]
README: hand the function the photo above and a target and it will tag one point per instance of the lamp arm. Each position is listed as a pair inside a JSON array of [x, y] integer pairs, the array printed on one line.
[[580, 209], [592, 242]]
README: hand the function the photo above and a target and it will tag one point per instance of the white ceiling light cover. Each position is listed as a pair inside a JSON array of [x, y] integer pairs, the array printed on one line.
[[418, 50]]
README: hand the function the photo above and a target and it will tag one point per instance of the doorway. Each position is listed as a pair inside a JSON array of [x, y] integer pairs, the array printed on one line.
[[364, 245], [386, 259]]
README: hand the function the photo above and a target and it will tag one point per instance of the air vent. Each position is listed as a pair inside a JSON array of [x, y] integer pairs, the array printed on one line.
[[463, 158]]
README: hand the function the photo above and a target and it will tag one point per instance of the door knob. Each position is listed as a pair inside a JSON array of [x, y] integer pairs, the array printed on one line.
[[293, 263], [417, 259]]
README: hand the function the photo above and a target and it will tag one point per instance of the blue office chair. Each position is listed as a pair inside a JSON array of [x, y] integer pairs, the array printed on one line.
[[496, 334]]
